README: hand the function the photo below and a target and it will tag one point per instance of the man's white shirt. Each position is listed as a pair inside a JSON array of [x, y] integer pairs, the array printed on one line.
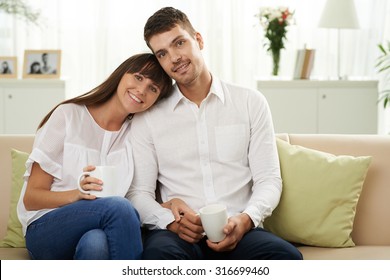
[[222, 151]]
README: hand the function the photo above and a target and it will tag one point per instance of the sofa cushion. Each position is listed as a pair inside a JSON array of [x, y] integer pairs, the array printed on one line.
[[319, 198], [14, 236]]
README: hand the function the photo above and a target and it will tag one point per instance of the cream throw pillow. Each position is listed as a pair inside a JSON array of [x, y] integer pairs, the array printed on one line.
[[319, 198]]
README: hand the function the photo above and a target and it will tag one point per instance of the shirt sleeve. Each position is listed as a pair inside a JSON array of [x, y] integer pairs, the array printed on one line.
[[263, 161], [49, 145], [142, 192]]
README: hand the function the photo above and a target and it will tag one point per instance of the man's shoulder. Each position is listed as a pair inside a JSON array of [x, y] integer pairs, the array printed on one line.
[[236, 90], [162, 105], [157, 111]]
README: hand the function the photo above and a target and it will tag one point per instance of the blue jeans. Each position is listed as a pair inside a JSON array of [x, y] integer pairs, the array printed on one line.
[[104, 228], [257, 244]]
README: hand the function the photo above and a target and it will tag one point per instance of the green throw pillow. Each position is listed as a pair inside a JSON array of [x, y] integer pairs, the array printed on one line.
[[319, 198], [14, 236]]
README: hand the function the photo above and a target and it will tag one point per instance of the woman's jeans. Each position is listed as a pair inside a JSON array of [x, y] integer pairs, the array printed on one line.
[[104, 228]]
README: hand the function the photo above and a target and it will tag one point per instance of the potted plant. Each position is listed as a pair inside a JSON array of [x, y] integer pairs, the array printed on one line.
[[383, 67], [274, 22]]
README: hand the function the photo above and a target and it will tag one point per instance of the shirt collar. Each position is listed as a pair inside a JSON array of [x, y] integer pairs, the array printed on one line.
[[216, 89]]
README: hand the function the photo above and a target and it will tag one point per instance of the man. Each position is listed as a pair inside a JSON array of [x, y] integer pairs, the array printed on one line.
[[209, 142], [46, 68]]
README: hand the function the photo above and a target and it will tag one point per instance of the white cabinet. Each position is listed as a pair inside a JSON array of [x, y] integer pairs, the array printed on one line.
[[305, 106], [23, 103]]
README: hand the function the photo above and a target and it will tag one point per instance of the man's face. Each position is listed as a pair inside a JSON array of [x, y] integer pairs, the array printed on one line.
[[179, 53]]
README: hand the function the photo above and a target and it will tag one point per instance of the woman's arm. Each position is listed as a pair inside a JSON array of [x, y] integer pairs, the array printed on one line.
[[39, 196]]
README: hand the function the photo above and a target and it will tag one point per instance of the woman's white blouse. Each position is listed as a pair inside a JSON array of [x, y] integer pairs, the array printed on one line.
[[68, 142]]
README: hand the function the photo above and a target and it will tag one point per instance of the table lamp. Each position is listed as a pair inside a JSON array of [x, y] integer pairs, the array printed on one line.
[[339, 14]]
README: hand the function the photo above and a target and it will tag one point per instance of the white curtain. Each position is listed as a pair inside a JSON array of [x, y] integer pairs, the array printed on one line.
[[96, 35]]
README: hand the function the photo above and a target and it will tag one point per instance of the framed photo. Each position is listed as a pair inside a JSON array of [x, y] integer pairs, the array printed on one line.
[[8, 67], [42, 64]]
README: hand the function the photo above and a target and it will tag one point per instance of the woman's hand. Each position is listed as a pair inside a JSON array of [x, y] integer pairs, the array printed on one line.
[[88, 183], [178, 208], [187, 224]]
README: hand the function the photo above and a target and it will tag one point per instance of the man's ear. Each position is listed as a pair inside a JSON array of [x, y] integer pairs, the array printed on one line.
[[199, 38]]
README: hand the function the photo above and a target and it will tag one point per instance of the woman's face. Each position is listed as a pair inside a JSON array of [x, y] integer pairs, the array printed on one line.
[[36, 67], [137, 93]]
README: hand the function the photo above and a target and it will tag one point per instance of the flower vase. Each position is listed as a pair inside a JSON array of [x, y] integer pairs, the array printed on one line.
[[275, 61]]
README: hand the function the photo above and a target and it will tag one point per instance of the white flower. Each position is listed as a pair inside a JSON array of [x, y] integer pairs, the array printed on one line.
[[268, 14]]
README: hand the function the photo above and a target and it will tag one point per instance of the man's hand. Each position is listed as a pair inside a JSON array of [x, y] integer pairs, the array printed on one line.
[[187, 224], [235, 229]]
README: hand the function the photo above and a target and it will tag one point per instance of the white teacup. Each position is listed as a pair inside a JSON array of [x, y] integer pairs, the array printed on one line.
[[109, 176], [214, 218]]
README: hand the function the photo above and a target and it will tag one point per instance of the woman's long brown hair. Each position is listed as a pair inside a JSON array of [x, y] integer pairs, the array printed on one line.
[[144, 63]]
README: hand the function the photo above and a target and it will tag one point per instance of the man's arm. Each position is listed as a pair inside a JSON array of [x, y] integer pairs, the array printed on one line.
[[263, 161], [142, 193], [264, 165], [173, 215]]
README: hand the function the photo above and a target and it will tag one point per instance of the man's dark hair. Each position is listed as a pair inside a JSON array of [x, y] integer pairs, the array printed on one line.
[[164, 20]]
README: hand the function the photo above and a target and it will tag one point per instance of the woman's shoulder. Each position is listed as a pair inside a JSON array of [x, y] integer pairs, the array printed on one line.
[[65, 115], [70, 108], [67, 111]]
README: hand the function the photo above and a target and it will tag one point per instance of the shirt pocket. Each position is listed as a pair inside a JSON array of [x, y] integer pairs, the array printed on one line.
[[231, 142]]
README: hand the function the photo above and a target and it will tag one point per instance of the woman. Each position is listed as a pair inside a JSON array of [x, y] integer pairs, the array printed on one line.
[[35, 68], [5, 69], [60, 221]]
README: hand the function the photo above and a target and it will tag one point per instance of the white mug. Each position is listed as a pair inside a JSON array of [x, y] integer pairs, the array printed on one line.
[[109, 176], [214, 218]]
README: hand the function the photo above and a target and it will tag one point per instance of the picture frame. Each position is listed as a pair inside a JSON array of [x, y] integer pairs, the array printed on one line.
[[40, 64], [8, 67]]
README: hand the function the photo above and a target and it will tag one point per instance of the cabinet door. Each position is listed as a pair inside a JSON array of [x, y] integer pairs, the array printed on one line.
[[348, 111], [2, 113], [24, 109], [293, 110]]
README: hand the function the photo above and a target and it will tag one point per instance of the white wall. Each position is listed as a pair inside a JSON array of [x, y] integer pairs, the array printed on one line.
[[96, 35]]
